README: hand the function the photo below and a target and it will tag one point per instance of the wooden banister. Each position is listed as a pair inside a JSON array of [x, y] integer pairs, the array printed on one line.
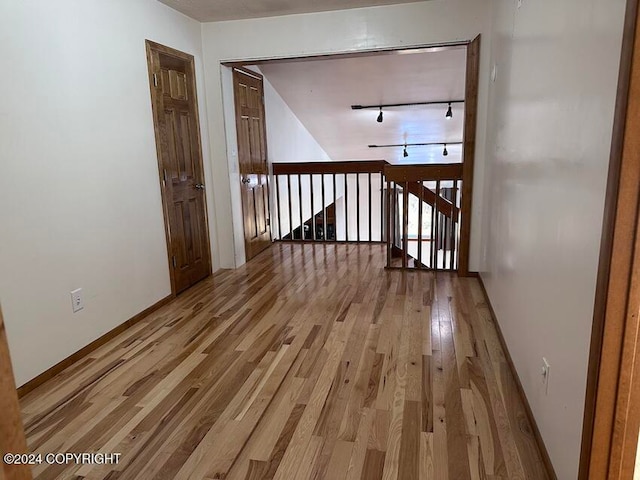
[[328, 168], [345, 191], [417, 173]]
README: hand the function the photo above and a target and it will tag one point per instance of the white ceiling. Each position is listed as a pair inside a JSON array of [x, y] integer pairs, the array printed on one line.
[[217, 10], [320, 93]]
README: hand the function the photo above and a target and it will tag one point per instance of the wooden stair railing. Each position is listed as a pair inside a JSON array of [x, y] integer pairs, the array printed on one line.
[[369, 201], [405, 181], [307, 190]]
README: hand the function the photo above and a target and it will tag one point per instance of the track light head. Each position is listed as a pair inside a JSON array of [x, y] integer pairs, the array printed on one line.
[[379, 119], [445, 152], [405, 154], [449, 114]]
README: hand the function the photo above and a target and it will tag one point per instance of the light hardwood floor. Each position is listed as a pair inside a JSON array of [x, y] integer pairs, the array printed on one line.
[[309, 362]]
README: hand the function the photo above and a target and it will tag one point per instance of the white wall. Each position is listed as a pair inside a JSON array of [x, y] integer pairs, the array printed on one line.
[[549, 134], [287, 138], [79, 191], [430, 22]]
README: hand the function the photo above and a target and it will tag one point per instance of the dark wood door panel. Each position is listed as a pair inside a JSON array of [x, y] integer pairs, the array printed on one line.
[[180, 161], [252, 159]]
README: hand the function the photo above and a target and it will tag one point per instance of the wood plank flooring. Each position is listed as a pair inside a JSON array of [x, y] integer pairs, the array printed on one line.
[[310, 362]]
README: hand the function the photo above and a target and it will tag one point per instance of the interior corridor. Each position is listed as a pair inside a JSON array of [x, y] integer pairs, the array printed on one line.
[[311, 361]]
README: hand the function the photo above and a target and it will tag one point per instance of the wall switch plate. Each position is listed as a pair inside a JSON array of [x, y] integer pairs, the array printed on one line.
[[520, 3], [494, 72], [546, 368], [77, 300]]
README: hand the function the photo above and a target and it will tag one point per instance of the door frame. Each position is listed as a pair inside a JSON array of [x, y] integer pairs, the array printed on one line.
[[469, 132], [12, 438], [611, 416], [151, 48], [472, 48]]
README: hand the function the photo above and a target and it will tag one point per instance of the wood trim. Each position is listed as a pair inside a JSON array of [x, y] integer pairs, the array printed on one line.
[[627, 414], [327, 168], [469, 152], [342, 55], [536, 431], [607, 451], [411, 173], [153, 50], [12, 439], [249, 73], [83, 352]]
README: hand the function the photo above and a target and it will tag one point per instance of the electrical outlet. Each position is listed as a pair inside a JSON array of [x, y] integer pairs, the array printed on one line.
[[77, 300], [546, 369]]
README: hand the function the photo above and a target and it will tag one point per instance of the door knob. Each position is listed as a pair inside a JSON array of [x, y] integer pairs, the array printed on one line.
[[199, 186]]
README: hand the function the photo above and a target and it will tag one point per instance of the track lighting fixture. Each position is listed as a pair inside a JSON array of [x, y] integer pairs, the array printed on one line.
[[379, 119], [412, 104], [445, 152], [449, 114]]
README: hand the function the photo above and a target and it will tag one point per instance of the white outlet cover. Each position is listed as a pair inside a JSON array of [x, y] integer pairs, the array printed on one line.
[[77, 301], [545, 375]]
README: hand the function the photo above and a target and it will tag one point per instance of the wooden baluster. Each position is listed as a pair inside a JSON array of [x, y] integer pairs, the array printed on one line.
[[358, 207], [324, 213], [266, 200], [370, 213], [438, 230], [313, 215], [278, 206], [346, 209], [388, 209], [444, 235], [405, 224], [394, 214], [300, 207], [420, 202], [432, 243], [335, 210], [382, 209], [457, 239], [290, 206], [452, 239]]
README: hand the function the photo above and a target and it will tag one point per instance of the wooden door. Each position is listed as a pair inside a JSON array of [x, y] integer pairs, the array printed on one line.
[[252, 158], [173, 94], [11, 431]]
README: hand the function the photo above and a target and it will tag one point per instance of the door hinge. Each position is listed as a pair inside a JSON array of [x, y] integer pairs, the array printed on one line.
[[268, 222], [155, 79], [175, 263]]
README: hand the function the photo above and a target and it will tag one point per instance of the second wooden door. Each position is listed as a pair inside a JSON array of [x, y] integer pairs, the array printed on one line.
[[252, 158]]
